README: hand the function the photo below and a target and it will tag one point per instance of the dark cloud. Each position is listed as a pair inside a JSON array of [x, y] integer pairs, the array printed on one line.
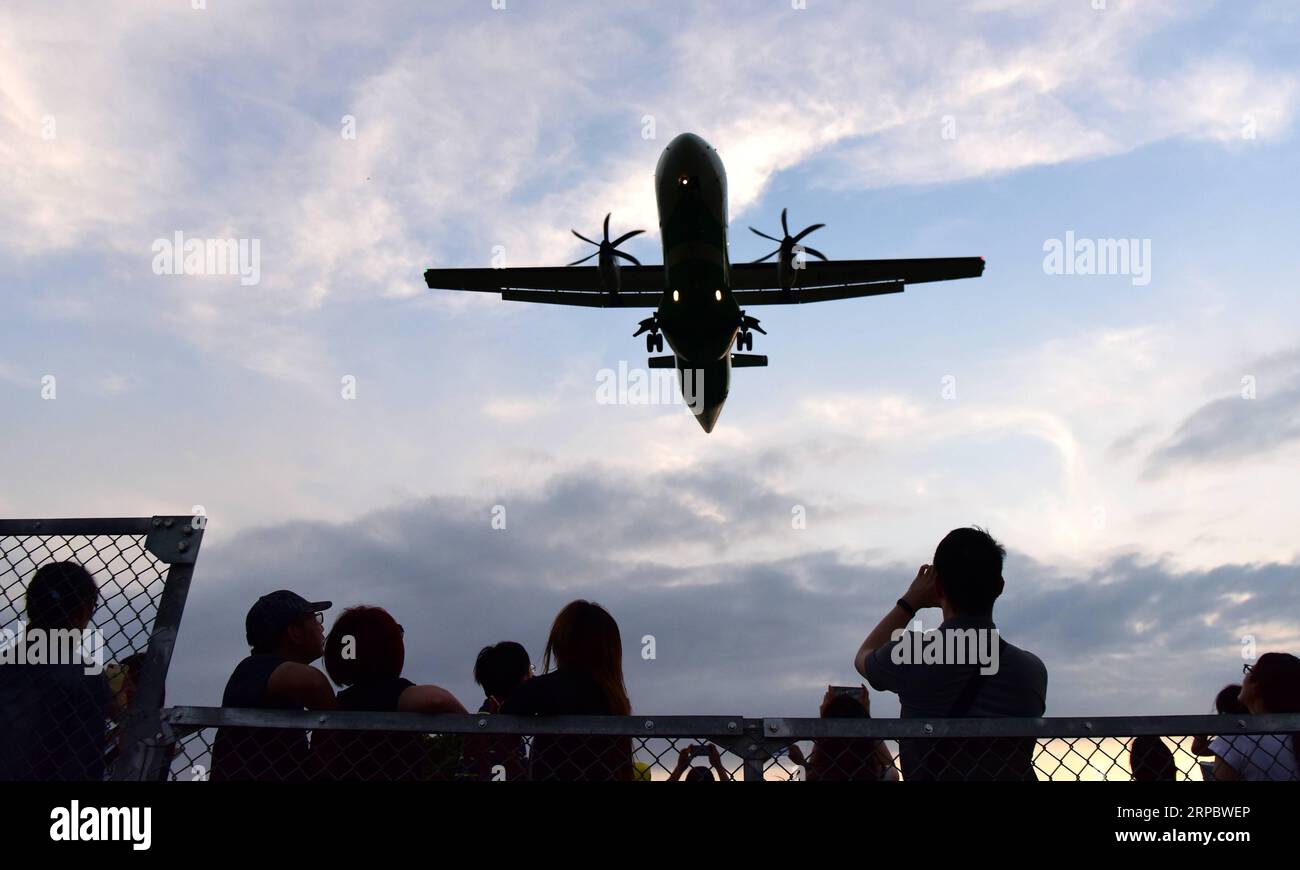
[[1235, 428], [732, 635]]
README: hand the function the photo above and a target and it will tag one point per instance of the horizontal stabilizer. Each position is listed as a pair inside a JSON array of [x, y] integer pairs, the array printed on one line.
[[663, 362], [747, 360]]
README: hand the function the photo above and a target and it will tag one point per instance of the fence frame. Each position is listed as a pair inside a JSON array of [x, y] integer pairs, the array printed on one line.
[[173, 540]]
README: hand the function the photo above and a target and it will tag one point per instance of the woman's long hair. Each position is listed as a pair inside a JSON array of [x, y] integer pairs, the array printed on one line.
[[1278, 677], [585, 638]]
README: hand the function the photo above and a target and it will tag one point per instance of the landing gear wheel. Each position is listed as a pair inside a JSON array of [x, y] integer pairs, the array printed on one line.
[[659, 343], [649, 343]]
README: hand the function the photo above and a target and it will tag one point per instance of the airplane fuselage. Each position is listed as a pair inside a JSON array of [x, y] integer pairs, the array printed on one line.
[[698, 314]]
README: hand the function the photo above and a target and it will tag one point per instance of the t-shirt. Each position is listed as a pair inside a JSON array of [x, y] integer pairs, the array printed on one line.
[[1258, 756], [929, 691], [53, 722], [573, 693], [275, 754]]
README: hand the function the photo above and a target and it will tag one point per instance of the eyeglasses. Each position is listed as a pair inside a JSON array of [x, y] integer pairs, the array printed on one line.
[[1247, 668], [320, 618]]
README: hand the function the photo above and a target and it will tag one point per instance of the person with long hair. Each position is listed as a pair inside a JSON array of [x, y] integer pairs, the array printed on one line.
[[1271, 685], [846, 759], [582, 674]]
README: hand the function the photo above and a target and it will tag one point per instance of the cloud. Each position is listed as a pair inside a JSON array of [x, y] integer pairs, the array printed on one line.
[[1262, 418]]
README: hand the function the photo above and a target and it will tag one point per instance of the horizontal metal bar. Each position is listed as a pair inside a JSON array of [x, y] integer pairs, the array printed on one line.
[[194, 718], [91, 526]]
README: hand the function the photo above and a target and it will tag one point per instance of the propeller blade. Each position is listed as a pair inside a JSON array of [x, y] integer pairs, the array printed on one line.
[[784, 227], [764, 235], [584, 259], [623, 238], [809, 230], [607, 227], [768, 257], [627, 257], [816, 253], [584, 238]]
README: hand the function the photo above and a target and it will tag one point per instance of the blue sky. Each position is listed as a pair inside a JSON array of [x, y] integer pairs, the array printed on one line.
[[1098, 427]]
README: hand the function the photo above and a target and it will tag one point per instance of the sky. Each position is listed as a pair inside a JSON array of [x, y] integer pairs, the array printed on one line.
[[1131, 438]]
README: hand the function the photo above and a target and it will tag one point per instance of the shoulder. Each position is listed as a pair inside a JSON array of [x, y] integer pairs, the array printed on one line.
[[294, 681]]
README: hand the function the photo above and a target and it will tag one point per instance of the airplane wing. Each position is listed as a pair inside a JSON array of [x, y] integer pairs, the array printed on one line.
[[752, 283], [642, 286], [822, 281]]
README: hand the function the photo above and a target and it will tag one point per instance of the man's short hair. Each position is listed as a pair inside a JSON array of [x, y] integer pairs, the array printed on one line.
[[500, 668], [969, 563], [57, 591]]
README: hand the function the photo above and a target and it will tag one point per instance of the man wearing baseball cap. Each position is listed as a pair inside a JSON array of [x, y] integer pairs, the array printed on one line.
[[286, 633]]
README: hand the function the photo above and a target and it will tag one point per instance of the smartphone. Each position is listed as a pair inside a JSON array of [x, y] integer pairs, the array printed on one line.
[[855, 691], [699, 752]]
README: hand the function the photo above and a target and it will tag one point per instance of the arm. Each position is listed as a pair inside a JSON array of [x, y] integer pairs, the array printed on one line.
[[921, 594], [303, 685], [683, 761], [428, 699], [716, 760], [1225, 771]]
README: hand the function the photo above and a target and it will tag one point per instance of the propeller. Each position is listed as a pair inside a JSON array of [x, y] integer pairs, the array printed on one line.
[[787, 244], [607, 249]]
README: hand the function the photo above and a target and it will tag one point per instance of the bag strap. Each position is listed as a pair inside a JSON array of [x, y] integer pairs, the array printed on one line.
[[961, 706]]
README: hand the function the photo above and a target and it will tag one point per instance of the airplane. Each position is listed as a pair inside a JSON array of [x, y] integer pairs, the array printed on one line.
[[700, 297]]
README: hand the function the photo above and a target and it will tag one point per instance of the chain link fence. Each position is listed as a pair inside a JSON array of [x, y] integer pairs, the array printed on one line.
[[84, 654], [407, 746], [104, 716]]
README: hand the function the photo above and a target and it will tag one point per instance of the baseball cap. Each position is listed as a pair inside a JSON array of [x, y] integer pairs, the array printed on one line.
[[274, 612]]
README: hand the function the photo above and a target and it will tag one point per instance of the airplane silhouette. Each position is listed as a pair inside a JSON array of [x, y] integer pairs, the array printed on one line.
[[700, 297]]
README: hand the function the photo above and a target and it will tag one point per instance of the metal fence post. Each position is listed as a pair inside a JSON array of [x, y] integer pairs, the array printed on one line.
[[146, 750]]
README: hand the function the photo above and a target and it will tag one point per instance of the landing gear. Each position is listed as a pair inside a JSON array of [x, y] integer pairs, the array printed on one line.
[[745, 340], [654, 340]]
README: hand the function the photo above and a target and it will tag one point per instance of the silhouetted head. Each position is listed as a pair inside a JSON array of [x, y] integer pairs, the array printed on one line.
[[845, 707], [968, 570], [288, 625], [1151, 761], [699, 773], [1273, 684], [500, 668], [61, 595], [585, 638], [364, 646], [1228, 701]]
